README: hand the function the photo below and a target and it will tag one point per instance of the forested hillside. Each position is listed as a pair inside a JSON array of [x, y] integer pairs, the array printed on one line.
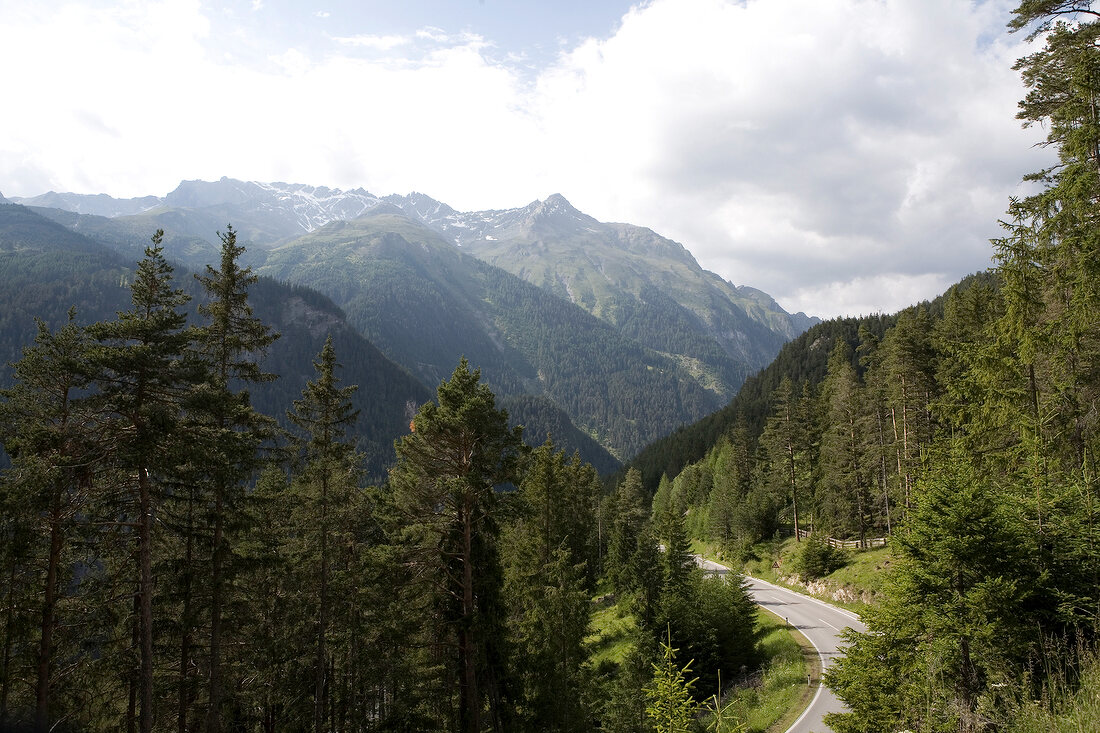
[[164, 564], [48, 269], [687, 323], [426, 304], [832, 435], [803, 360], [964, 430]]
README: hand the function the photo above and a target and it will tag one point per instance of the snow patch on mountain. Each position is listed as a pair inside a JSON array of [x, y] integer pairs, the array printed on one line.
[[315, 206]]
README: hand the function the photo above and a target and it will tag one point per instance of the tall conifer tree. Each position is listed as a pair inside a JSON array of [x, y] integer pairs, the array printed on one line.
[[324, 414], [143, 372], [445, 480], [231, 341]]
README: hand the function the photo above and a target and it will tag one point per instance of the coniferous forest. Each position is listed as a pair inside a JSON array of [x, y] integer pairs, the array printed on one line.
[[174, 557], [964, 430]]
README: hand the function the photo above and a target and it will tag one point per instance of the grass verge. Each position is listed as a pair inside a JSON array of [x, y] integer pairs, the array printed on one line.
[[770, 701], [853, 587]]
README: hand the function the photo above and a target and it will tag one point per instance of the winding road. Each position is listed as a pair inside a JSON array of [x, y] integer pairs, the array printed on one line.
[[819, 622]]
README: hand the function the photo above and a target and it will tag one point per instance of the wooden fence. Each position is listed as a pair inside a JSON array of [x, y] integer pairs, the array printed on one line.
[[848, 544]]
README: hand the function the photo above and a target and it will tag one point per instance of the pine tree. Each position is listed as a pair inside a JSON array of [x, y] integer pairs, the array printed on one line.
[[230, 342], [328, 479], [1050, 258], [843, 489], [907, 371], [628, 523], [445, 480], [545, 592], [144, 371], [583, 492], [784, 444], [678, 560], [671, 705], [47, 428]]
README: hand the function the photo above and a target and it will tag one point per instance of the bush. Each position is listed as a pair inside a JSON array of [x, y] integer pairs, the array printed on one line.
[[817, 559]]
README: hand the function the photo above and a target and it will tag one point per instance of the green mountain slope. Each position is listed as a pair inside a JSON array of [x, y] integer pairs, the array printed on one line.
[[542, 419], [45, 269], [803, 361], [692, 337], [426, 303], [649, 287], [189, 240]]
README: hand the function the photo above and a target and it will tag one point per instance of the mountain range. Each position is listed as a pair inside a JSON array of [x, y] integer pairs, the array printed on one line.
[[614, 325]]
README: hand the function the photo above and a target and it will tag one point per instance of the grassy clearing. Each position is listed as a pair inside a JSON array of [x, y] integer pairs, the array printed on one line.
[[865, 570], [850, 587], [774, 698], [612, 631]]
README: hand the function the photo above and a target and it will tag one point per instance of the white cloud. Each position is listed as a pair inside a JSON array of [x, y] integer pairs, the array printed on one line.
[[885, 293], [802, 147], [381, 43]]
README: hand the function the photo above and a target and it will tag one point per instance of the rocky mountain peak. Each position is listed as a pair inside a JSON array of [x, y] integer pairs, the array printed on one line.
[[421, 206], [553, 214]]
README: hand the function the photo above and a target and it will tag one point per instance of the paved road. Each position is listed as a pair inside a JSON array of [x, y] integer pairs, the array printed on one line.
[[819, 622]]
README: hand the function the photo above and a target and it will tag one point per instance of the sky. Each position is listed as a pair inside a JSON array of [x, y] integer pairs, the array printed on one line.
[[847, 157]]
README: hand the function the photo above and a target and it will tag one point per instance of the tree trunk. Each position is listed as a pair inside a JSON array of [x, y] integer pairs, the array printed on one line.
[[470, 699], [145, 561], [135, 683], [882, 467], [213, 712], [185, 636], [9, 613], [794, 485], [49, 616], [901, 469], [322, 616]]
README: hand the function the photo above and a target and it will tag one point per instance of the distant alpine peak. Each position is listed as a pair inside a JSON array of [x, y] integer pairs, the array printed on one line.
[[557, 202], [421, 206], [554, 204], [556, 209]]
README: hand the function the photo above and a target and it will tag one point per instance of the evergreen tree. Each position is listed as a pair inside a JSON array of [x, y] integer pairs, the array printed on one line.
[[713, 620], [143, 373], [545, 592], [272, 627], [47, 428], [325, 488], [784, 445], [678, 560], [843, 494], [627, 526], [583, 491], [671, 706], [1050, 258], [907, 372], [662, 500], [445, 480], [957, 618], [224, 421]]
